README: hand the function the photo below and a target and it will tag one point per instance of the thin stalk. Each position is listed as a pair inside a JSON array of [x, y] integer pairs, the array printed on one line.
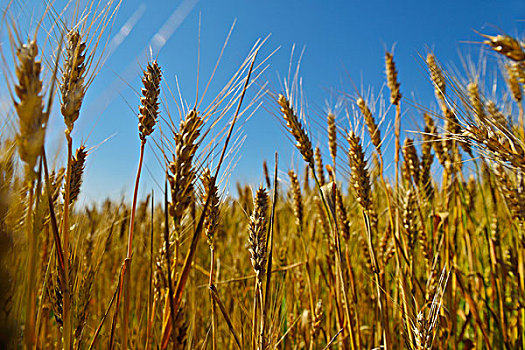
[[118, 293], [67, 332], [127, 262], [106, 313], [520, 118], [54, 225], [269, 249], [354, 297], [496, 276], [380, 294], [394, 223], [332, 340], [398, 147], [29, 329], [167, 248], [467, 293], [213, 305], [521, 271], [33, 254], [338, 259], [254, 314], [150, 291], [149, 324], [215, 296], [397, 133], [308, 274], [44, 286]]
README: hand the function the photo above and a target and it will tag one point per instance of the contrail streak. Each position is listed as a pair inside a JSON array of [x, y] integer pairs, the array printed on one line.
[[155, 44]]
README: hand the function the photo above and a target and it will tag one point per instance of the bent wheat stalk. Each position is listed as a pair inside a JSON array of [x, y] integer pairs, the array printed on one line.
[[148, 115]]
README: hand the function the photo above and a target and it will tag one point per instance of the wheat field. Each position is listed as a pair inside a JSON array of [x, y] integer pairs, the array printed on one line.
[[381, 238]]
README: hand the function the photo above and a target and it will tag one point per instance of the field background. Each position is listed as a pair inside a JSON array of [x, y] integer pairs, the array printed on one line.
[[303, 176]]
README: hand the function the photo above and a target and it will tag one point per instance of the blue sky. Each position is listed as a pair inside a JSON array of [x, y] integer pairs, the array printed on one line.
[[344, 43]]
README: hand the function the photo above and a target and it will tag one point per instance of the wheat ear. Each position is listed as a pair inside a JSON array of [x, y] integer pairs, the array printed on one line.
[[73, 88], [373, 129], [303, 143], [77, 170]]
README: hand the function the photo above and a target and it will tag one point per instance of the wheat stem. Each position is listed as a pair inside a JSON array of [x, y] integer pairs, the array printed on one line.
[[29, 336], [67, 333], [129, 256]]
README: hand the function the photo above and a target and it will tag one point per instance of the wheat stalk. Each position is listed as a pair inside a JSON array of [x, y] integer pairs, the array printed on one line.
[[148, 114], [30, 139]]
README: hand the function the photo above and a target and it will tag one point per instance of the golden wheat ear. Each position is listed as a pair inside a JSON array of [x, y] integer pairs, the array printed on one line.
[[77, 170], [297, 200], [29, 106], [373, 129], [303, 143], [211, 219], [319, 166], [149, 102], [391, 77], [513, 81], [359, 177], [437, 77], [182, 171], [411, 161], [332, 138], [257, 231], [73, 87], [507, 46]]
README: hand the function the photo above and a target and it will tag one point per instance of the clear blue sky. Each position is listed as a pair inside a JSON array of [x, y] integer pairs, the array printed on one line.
[[344, 44]]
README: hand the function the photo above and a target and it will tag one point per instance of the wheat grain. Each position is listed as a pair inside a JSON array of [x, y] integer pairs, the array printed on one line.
[[391, 78], [476, 102], [513, 77], [360, 178], [373, 129], [412, 160], [507, 46], [297, 200], [436, 75], [332, 137], [257, 232], [211, 222], [77, 170], [73, 88], [181, 168], [149, 105], [29, 107], [319, 166], [303, 143]]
